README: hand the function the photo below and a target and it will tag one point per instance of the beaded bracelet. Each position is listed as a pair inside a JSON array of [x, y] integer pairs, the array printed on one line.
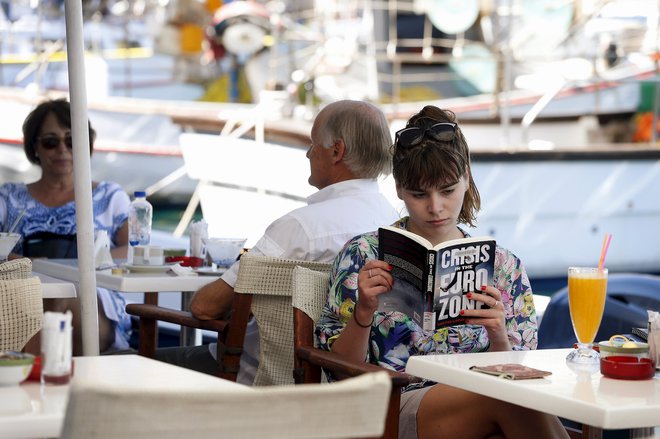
[[358, 323]]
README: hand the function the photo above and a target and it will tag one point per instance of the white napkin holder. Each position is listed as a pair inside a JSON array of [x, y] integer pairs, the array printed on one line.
[[56, 347], [148, 255]]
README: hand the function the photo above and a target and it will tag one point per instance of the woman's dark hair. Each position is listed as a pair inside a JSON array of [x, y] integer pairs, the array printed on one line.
[[435, 163], [33, 122]]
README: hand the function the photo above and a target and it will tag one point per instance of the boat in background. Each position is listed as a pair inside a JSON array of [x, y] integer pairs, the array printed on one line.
[[550, 175]]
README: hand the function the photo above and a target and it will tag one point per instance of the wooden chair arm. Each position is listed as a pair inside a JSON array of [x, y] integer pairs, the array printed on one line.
[[178, 317], [347, 368]]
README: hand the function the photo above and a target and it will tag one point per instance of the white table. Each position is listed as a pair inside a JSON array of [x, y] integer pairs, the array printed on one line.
[[149, 283], [53, 288], [582, 396], [67, 269], [35, 411]]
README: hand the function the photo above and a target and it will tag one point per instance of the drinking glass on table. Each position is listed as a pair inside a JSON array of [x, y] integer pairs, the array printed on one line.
[[587, 289]]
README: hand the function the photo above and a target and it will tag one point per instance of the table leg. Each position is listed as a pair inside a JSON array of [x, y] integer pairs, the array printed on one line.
[[188, 336], [590, 432], [645, 433], [148, 340]]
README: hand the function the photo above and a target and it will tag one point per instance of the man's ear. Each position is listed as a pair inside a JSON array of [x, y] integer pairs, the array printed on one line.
[[338, 150], [399, 192]]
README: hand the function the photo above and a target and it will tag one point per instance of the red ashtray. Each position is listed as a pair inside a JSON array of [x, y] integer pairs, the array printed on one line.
[[622, 367], [186, 261], [35, 373]]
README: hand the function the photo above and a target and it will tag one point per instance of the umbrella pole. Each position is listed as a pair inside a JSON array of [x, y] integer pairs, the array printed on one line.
[[82, 176]]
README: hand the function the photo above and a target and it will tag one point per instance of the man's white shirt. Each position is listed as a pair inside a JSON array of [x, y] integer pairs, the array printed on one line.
[[315, 232]]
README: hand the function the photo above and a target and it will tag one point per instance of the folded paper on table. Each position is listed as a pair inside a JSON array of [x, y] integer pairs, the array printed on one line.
[[180, 270], [511, 371], [102, 256]]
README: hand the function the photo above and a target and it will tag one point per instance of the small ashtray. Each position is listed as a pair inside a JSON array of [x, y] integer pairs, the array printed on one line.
[[623, 367], [627, 349]]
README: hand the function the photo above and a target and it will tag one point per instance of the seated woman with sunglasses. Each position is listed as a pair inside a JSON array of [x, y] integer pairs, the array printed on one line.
[[431, 167], [46, 215]]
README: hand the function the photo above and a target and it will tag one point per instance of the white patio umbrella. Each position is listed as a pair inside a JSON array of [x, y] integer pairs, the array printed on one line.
[[82, 176]]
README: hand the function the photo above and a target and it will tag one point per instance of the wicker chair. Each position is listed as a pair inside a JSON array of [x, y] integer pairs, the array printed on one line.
[[263, 289], [310, 289], [353, 408], [21, 306]]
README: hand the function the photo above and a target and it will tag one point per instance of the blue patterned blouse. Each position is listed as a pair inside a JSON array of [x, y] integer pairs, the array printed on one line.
[[110, 205], [395, 337]]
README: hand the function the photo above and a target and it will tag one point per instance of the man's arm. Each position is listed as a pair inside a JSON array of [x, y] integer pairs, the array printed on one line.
[[212, 301]]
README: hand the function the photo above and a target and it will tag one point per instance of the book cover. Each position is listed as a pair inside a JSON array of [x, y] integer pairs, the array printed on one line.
[[642, 333], [431, 282]]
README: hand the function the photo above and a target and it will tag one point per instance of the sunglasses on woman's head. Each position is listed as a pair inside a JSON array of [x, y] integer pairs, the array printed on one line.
[[411, 136], [51, 141]]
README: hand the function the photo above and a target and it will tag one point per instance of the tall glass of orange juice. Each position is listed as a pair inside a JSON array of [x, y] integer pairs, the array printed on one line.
[[587, 289]]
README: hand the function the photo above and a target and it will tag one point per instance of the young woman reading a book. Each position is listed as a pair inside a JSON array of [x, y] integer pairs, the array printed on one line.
[[431, 166]]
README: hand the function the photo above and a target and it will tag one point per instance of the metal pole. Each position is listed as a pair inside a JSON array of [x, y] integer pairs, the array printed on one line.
[[656, 83], [505, 104], [82, 177]]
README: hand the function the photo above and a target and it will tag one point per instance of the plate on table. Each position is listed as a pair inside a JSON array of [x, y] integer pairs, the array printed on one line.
[[207, 271], [134, 268]]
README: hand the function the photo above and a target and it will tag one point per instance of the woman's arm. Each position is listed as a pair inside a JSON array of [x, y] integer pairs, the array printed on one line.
[[373, 279], [344, 326], [121, 239], [511, 319]]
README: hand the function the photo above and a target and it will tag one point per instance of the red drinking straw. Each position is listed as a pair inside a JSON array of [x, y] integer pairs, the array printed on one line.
[[603, 252]]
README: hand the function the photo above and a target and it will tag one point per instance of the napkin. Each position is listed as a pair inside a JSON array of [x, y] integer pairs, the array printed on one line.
[[102, 256], [180, 270], [511, 371], [199, 230]]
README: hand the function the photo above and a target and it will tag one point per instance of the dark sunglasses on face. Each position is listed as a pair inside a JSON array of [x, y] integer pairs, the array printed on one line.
[[52, 141], [412, 136]]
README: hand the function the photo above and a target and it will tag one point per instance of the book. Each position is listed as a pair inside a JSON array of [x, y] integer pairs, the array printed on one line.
[[642, 333], [431, 282]]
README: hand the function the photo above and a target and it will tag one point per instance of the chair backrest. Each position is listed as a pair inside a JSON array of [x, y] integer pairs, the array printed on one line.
[[269, 283], [310, 290], [353, 408], [629, 296], [21, 305]]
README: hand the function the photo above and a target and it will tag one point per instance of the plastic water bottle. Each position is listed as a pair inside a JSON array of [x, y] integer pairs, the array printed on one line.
[[140, 213]]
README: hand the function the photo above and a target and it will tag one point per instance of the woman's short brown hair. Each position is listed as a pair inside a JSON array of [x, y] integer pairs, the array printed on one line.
[[33, 122], [435, 163]]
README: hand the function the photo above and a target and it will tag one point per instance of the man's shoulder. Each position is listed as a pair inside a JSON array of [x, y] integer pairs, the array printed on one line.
[[374, 203]]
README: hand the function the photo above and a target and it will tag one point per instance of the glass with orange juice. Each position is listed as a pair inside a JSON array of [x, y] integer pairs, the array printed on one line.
[[587, 290]]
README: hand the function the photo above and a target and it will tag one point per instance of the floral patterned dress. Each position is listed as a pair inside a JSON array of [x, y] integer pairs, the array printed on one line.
[[395, 337]]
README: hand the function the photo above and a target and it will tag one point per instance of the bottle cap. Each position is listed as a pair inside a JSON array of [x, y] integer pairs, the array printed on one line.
[[140, 194]]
